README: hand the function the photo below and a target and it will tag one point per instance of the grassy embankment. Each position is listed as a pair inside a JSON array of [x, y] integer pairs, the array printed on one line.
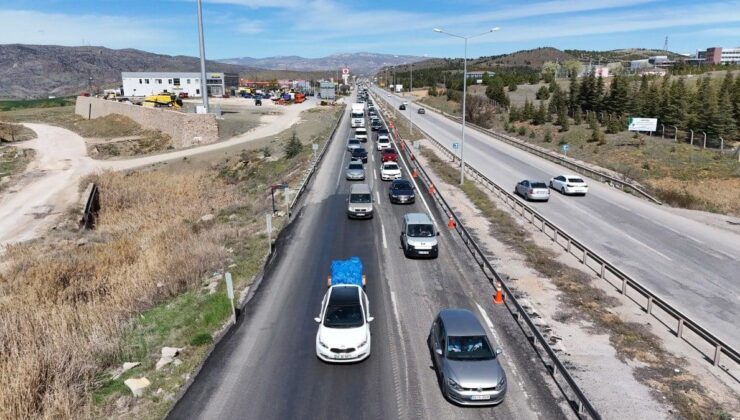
[[74, 310]]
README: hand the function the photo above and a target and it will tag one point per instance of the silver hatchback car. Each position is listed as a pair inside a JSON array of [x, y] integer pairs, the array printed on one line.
[[467, 366]]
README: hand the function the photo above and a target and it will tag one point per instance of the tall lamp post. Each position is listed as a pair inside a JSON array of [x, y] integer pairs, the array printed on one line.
[[465, 85], [203, 80]]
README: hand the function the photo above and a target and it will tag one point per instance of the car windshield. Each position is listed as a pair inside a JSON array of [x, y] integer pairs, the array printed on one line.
[[469, 348], [343, 316], [360, 198], [390, 167], [575, 180], [421, 231], [539, 185], [355, 166], [402, 185]]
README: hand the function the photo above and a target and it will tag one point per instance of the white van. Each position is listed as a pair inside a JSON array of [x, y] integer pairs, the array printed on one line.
[[360, 202], [419, 237]]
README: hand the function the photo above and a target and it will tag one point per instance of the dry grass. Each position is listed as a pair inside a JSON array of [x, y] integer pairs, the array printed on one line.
[[65, 306], [13, 161], [631, 340], [69, 312], [10, 132]]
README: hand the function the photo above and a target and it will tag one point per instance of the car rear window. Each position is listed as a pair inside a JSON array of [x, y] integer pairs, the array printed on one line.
[[402, 185], [539, 185], [575, 180], [469, 348], [354, 141], [355, 166], [390, 166]]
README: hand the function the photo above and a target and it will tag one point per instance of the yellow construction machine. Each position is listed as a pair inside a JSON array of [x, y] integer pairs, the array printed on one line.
[[163, 100]]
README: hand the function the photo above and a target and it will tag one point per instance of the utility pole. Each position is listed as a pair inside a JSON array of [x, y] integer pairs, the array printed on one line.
[[203, 80]]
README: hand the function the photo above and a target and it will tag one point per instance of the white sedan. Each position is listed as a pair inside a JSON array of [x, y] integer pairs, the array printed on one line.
[[569, 184], [390, 171], [344, 325], [383, 142]]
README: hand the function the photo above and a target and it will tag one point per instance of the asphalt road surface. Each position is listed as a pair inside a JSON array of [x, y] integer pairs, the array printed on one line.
[[694, 266], [266, 367]]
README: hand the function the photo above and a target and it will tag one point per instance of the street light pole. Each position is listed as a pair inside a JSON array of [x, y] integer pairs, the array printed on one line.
[[465, 90], [411, 91], [203, 80]]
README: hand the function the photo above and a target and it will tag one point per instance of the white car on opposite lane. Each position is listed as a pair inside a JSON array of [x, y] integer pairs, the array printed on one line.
[[569, 184]]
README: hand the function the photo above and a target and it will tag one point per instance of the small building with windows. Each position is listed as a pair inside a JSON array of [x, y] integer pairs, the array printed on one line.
[[150, 83]]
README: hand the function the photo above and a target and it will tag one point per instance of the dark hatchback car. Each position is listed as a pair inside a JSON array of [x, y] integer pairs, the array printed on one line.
[[467, 366], [376, 125], [401, 191], [382, 131], [360, 153], [402, 107]]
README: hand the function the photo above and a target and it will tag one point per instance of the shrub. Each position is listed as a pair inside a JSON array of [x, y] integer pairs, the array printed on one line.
[[543, 93], [522, 131], [293, 147], [548, 136], [512, 87], [201, 339]]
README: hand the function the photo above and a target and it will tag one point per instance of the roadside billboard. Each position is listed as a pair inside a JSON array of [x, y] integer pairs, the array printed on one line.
[[643, 124]]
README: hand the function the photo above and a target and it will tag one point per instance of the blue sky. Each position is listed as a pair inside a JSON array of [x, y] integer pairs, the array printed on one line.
[[315, 28]]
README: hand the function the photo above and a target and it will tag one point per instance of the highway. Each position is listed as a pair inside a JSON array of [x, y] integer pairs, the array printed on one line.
[[266, 367], [690, 264]]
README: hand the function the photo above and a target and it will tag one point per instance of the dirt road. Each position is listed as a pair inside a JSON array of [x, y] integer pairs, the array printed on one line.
[[50, 183]]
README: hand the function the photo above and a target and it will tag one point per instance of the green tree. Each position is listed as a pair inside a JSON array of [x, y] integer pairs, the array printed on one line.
[[725, 120], [598, 96], [512, 87], [541, 115], [573, 67], [514, 114], [578, 116], [495, 92], [563, 120], [554, 86], [293, 147], [618, 100], [528, 111], [736, 101], [597, 136], [548, 136], [549, 71], [543, 93], [573, 91]]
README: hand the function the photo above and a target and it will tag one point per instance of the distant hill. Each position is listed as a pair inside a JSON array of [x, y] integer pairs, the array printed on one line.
[[35, 71], [359, 63]]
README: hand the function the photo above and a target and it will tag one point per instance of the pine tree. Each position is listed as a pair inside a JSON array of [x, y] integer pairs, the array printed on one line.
[[526, 113], [642, 98], [543, 93], [548, 136], [541, 115], [736, 102], [513, 114], [563, 120], [553, 86], [707, 117], [617, 102], [598, 96], [573, 91], [725, 121], [578, 116]]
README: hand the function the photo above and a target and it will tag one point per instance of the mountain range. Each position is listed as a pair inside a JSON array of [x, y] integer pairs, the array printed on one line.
[[363, 63]]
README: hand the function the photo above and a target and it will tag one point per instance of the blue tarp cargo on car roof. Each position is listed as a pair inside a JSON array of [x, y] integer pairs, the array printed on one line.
[[346, 272]]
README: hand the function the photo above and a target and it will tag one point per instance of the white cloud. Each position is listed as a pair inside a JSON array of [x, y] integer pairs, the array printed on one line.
[[31, 27], [250, 27], [259, 4]]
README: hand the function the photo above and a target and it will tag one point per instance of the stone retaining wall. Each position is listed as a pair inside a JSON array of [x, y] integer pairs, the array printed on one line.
[[184, 129]]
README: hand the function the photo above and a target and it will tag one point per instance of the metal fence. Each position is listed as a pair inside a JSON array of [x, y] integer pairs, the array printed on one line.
[[91, 207], [577, 399], [709, 345]]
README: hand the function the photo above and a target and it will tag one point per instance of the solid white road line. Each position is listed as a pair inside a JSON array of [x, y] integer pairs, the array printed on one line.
[[377, 195], [375, 174], [339, 174], [382, 230], [510, 366], [652, 249]]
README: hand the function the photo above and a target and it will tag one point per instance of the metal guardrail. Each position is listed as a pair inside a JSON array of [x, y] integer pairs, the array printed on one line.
[[91, 208], [621, 281], [317, 160], [551, 156], [580, 403]]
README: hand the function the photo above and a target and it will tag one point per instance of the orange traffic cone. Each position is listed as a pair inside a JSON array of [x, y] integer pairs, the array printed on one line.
[[451, 224], [413, 173], [431, 188], [498, 298], [403, 144]]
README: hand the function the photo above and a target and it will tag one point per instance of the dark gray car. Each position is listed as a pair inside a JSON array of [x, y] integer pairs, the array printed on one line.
[[467, 365]]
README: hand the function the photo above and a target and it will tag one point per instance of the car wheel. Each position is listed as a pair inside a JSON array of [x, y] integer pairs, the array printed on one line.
[[562, 190], [551, 184]]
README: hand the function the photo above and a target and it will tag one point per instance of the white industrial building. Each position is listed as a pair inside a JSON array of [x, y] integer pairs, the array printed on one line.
[[150, 83]]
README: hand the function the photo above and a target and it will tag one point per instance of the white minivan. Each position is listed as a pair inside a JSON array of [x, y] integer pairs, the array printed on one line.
[[418, 236]]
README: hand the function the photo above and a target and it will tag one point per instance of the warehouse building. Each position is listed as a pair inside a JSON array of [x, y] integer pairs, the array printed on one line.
[[150, 83], [719, 55]]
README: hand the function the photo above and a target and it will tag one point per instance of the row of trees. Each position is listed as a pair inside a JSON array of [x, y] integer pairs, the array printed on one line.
[[707, 106]]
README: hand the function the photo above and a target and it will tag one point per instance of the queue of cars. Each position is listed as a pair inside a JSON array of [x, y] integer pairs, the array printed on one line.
[[464, 359]]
